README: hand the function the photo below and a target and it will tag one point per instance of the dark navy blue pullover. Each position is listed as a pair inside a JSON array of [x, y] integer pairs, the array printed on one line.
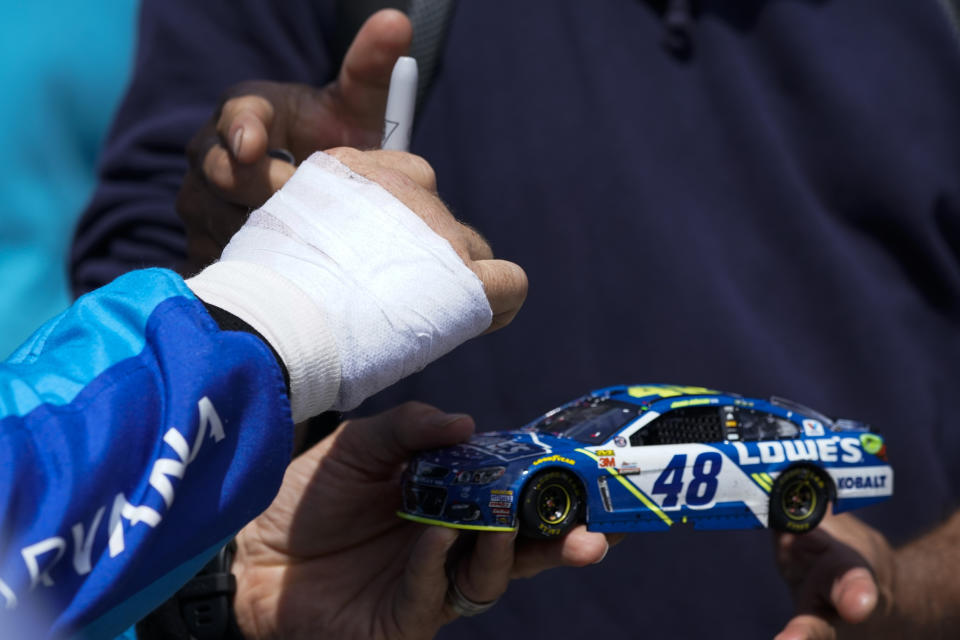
[[773, 208]]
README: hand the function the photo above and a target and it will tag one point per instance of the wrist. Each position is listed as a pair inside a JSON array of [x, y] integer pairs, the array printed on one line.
[[915, 609], [287, 319]]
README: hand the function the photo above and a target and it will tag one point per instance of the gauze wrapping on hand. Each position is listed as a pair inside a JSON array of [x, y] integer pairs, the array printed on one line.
[[352, 289]]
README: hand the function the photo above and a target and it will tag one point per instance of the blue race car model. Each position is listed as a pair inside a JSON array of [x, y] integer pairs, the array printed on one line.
[[648, 457]]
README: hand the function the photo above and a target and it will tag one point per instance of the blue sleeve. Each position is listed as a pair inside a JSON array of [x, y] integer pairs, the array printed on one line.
[[188, 54], [135, 438]]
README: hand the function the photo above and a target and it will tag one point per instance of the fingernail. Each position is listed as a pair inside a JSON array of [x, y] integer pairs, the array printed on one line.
[[605, 551], [237, 142], [441, 420]]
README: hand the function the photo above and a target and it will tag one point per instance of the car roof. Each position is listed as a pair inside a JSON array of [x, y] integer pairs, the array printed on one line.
[[662, 397], [646, 394]]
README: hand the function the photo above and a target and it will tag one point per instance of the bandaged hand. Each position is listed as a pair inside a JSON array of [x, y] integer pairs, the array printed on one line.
[[357, 275]]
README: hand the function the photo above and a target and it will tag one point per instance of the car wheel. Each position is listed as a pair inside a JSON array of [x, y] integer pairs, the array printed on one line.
[[798, 500], [551, 505]]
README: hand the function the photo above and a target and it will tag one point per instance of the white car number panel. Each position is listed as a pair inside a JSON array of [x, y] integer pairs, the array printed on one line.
[[695, 476]]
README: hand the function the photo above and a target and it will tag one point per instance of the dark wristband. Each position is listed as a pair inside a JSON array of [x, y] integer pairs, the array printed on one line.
[[229, 322], [318, 427], [201, 610]]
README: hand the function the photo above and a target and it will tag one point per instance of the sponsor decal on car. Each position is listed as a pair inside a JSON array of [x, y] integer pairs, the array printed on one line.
[[863, 482], [554, 458], [813, 428], [833, 449], [692, 402], [501, 498], [666, 391]]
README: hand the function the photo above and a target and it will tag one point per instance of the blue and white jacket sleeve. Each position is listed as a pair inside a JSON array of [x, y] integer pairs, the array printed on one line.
[[136, 437]]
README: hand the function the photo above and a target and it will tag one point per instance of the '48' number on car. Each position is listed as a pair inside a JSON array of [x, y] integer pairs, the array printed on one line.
[[701, 488]]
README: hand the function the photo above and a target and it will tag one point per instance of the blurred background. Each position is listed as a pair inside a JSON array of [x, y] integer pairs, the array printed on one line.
[[64, 66]]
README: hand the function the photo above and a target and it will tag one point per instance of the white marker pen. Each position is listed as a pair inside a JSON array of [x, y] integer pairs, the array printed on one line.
[[401, 103]]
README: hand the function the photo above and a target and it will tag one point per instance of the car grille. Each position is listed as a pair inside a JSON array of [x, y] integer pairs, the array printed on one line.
[[426, 500], [462, 512]]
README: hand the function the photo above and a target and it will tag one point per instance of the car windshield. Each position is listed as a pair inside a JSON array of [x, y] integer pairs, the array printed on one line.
[[796, 407], [591, 421]]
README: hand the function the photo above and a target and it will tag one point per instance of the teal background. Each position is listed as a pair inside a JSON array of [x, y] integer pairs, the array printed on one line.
[[64, 65]]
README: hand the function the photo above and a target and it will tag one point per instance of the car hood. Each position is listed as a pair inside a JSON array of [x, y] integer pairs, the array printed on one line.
[[496, 448]]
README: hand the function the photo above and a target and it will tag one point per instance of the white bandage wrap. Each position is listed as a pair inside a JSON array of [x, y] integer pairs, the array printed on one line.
[[340, 276]]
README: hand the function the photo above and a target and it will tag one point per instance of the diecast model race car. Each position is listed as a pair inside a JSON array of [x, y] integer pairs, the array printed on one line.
[[648, 457]]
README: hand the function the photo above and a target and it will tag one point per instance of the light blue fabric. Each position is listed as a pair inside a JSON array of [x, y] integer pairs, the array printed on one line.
[[63, 68], [83, 476], [24, 388]]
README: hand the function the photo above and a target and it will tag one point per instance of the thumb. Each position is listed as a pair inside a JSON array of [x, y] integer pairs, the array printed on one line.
[[807, 627], [364, 78], [854, 595], [379, 443]]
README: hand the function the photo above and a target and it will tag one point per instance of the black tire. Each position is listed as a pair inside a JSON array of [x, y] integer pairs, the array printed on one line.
[[551, 505], [799, 499]]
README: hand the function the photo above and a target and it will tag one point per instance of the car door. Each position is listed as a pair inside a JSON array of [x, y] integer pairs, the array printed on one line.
[[756, 454], [670, 465]]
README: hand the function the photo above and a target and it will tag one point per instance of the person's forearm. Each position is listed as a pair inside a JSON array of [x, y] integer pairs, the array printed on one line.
[[926, 589], [135, 436]]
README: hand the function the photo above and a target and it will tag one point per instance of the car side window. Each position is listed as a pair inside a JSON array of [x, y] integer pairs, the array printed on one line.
[[759, 425], [690, 424]]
